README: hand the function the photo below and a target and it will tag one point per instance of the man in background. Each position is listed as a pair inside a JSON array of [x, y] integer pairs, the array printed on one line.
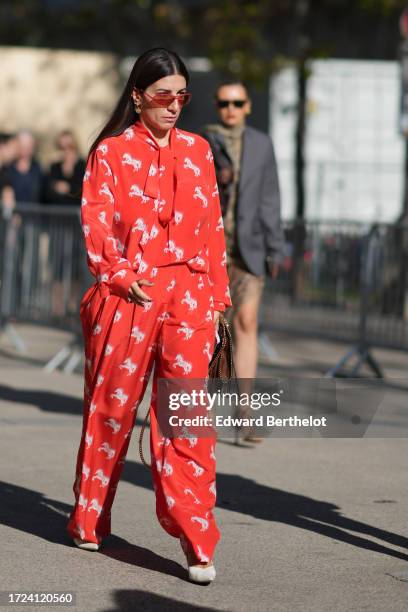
[[250, 200]]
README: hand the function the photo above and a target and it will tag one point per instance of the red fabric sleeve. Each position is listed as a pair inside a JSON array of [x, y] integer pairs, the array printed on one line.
[[104, 251]]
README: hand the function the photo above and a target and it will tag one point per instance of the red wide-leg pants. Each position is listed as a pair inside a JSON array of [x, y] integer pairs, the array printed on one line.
[[175, 333]]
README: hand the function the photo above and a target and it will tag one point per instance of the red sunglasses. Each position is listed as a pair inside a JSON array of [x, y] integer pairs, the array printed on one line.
[[165, 99]]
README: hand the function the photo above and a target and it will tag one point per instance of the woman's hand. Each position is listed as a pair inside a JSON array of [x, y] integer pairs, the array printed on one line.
[[136, 295], [216, 318]]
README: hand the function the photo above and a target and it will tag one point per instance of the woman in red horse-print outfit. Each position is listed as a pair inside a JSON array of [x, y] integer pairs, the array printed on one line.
[[154, 236]]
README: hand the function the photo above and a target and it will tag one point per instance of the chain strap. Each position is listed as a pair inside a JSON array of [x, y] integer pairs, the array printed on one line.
[[223, 322], [148, 465]]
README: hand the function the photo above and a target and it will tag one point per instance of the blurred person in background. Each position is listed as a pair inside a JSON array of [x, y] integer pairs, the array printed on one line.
[[24, 173], [8, 153], [8, 236], [9, 231], [8, 149], [63, 184], [250, 198], [64, 178]]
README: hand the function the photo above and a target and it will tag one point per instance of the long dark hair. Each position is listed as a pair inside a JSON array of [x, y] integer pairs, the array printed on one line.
[[149, 67]]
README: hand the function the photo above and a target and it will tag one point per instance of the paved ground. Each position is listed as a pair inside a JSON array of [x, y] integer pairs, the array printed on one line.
[[307, 524]]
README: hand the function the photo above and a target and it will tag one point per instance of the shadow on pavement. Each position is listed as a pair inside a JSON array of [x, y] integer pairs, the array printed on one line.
[[48, 401], [142, 600], [44, 400], [246, 496], [239, 494], [31, 512], [126, 552]]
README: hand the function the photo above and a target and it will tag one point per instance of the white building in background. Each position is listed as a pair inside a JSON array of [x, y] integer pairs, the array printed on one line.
[[354, 151]]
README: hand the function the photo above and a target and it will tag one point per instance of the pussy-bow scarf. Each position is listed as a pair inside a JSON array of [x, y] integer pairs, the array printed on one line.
[[160, 181]]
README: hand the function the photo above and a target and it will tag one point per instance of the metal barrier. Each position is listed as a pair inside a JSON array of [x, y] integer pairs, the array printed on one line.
[[343, 281], [340, 280], [43, 273]]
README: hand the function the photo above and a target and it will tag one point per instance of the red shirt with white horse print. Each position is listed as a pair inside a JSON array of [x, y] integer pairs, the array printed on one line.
[[144, 206]]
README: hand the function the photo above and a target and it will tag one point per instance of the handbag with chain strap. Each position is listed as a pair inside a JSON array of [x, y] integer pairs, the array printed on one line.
[[222, 362], [221, 366]]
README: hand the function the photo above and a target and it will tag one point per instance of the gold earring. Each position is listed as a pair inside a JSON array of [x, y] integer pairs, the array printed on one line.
[[137, 108]]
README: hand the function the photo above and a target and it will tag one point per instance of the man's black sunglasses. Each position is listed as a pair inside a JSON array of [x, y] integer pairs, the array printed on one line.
[[226, 103]]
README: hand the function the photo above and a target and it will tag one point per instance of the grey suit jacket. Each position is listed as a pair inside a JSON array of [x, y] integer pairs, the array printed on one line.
[[258, 222]]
